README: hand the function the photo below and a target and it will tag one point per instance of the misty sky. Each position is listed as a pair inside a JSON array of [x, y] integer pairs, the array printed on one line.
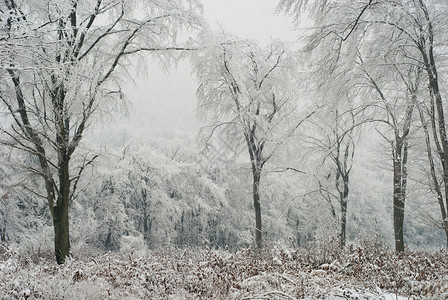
[[163, 105]]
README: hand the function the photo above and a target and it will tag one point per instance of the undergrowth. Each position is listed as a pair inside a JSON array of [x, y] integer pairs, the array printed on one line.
[[321, 271]]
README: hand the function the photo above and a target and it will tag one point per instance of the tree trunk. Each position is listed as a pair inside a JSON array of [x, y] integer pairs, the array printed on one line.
[[61, 234], [343, 223], [257, 207], [3, 234], [398, 223], [146, 227], [60, 217], [446, 234], [399, 197], [146, 216], [3, 227], [344, 202]]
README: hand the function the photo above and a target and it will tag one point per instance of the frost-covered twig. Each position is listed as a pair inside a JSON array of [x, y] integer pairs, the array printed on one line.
[[271, 293]]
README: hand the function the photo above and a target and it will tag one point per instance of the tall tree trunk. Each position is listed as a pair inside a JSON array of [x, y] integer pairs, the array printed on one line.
[[257, 206], [344, 201], [255, 154], [426, 48], [61, 234], [398, 209], [443, 157], [443, 153], [146, 217], [436, 186], [3, 226], [3, 234], [399, 196], [60, 216], [343, 177], [146, 226]]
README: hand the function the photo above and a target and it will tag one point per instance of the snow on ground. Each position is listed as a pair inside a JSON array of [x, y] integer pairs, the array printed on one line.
[[274, 273]]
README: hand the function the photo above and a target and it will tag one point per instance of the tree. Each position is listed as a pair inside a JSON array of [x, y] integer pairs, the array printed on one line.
[[394, 95], [426, 38], [407, 32], [342, 150], [334, 77], [249, 91], [411, 43], [61, 67]]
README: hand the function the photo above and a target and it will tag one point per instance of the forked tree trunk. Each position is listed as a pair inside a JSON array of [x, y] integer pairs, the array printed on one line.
[[343, 177], [255, 154]]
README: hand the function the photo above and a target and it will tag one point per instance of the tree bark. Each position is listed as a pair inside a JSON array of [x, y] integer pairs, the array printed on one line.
[[60, 216], [344, 202], [398, 211], [343, 159], [343, 176], [398, 203], [3, 234], [61, 235], [146, 216], [257, 207], [399, 196], [3, 226]]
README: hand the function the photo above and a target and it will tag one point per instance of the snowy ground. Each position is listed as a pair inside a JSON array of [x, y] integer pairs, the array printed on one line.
[[318, 273]]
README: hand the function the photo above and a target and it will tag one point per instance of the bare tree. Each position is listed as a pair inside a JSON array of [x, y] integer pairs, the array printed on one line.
[[61, 67], [250, 91], [334, 137], [342, 157], [416, 29], [425, 41], [407, 32], [400, 122]]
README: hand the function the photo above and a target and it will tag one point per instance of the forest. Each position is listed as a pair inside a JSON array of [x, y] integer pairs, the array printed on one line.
[[320, 169]]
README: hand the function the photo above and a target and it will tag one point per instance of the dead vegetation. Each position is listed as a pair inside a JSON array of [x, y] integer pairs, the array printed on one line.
[[323, 271]]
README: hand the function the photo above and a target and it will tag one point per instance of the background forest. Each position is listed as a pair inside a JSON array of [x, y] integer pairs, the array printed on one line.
[[340, 134]]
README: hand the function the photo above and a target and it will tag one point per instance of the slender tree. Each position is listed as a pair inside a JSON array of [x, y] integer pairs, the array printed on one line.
[[415, 30], [407, 33], [250, 91], [426, 41], [398, 105], [335, 141], [342, 157]]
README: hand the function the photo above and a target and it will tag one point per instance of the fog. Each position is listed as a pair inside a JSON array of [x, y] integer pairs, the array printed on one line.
[[161, 103]]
